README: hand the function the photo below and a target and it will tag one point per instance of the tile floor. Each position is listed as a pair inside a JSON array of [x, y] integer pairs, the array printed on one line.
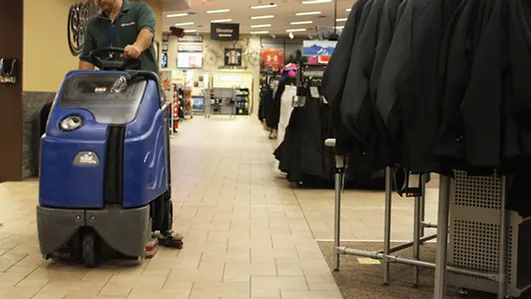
[[248, 234]]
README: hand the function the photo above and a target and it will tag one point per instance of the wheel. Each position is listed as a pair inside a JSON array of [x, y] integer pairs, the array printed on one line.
[[167, 220], [462, 292], [91, 250]]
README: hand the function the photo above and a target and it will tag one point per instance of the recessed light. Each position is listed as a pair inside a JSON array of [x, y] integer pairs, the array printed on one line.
[[184, 24], [308, 13], [218, 11], [296, 30], [262, 17], [261, 26], [272, 5], [259, 32], [221, 21], [175, 15], [341, 19], [316, 1], [301, 23]]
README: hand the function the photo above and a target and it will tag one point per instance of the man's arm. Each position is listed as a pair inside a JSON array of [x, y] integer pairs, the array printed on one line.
[[145, 22], [88, 46]]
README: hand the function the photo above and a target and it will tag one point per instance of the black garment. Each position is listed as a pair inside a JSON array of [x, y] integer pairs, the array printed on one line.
[[407, 96], [356, 108], [334, 78], [273, 110]]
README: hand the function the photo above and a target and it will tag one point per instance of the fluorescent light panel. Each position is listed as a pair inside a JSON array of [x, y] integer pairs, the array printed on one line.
[[221, 21], [301, 23], [259, 32], [184, 24], [341, 19], [296, 30], [308, 13], [262, 17], [175, 15], [316, 1], [261, 26], [264, 6], [348, 9], [218, 11], [191, 30]]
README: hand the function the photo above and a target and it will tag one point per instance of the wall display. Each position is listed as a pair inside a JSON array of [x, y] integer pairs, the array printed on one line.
[[164, 60], [318, 47], [272, 59], [233, 57], [224, 31], [78, 17], [191, 39], [190, 48], [165, 38], [8, 70], [189, 60], [156, 47], [164, 47]]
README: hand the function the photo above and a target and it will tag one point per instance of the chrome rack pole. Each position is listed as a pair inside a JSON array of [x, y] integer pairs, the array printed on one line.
[[502, 279], [423, 206], [387, 224], [416, 236], [340, 167], [442, 238]]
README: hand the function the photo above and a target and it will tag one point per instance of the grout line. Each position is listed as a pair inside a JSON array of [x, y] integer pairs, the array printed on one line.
[[167, 277], [129, 294], [104, 285], [369, 241]]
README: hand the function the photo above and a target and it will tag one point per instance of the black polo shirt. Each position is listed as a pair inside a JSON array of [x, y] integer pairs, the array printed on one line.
[[101, 32]]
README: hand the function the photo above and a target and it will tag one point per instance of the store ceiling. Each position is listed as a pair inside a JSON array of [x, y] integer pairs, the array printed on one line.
[[276, 20]]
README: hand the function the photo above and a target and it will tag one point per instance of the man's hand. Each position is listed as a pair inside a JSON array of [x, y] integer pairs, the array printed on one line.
[[131, 51]]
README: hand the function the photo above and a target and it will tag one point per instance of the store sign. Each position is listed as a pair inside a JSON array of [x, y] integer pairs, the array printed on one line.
[[319, 47], [232, 67], [272, 59], [224, 31], [233, 57], [190, 48], [78, 17], [191, 39]]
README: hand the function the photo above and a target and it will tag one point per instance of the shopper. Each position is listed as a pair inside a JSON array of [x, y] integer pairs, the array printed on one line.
[[122, 24]]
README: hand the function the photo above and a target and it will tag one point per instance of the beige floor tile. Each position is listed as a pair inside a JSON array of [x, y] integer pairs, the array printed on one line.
[[278, 283], [311, 295]]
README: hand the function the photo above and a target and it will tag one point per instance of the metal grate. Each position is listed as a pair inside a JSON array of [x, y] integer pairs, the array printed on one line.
[[476, 247], [477, 191]]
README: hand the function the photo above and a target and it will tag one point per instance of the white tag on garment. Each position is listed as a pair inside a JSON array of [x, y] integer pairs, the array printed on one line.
[[314, 91]]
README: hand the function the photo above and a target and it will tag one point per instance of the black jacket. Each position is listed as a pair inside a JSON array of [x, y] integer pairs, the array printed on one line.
[[334, 78], [407, 95]]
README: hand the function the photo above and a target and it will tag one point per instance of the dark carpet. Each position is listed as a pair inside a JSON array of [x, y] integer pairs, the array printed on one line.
[[364, 281]]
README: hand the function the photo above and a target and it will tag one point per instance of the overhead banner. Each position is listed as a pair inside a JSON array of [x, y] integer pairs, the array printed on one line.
[[272, 59], [224, 32], [318, 47]]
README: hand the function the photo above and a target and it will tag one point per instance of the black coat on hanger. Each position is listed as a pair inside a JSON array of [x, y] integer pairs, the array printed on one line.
[[336, 72], [407, 93]]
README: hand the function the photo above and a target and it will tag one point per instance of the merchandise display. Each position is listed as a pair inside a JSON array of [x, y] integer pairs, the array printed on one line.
[[442, 93]]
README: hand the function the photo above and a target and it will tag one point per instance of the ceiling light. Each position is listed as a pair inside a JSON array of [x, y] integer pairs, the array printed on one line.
[[291, 35], [309, 13], [262, 17], [264, 6], [218, 11], [340, 27], [261, 26], [341, 19], [348, 9], [221, 21], [184, 24], [316, 1], [259, 32], [301, 22], [177, 15], [296, 30], [191, 30]]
